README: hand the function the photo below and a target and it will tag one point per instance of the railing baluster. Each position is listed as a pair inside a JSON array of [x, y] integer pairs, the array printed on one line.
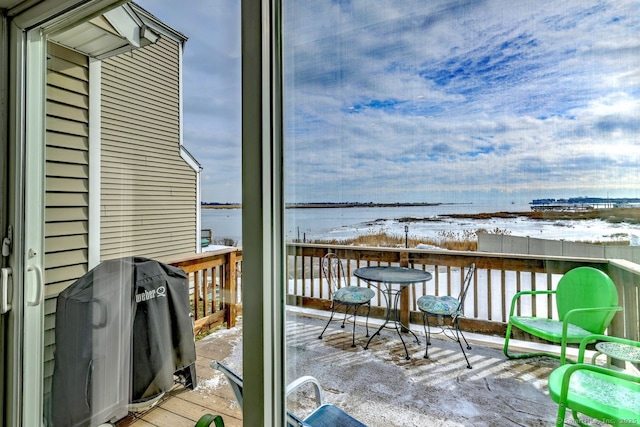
[[295, 276], [196, 295], [489, 296], [534, 299], [509, 279], [303, 275], [549, 297], [205, 291], [503, 294], [475, 287], [214, 290], [518, 289]]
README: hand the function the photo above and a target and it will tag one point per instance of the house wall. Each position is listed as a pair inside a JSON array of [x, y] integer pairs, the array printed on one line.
[[67, 183], [148, 192]]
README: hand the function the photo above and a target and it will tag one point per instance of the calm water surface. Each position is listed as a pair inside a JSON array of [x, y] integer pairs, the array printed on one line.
[[343, 223]]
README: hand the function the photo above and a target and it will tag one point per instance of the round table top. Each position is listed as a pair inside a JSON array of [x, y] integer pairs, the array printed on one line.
[[619, 351], [399, 275]]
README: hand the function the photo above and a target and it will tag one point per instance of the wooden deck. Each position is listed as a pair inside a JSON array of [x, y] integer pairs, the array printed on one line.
[[414, 393]]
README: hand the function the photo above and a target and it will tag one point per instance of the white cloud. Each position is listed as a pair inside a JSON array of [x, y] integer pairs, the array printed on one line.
[[478, 97], [389, 100]]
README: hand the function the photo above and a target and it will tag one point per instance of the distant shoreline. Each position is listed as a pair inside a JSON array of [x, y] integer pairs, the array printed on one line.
[[610, 215], [221, 206], [337, 205], [362, 205]]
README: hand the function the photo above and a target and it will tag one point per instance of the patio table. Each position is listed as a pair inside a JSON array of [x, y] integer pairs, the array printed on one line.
[[614, 350], [383, 278]]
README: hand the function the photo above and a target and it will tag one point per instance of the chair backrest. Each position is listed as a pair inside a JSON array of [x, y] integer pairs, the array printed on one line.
[[586, 287], [465, 288], [333, 271]]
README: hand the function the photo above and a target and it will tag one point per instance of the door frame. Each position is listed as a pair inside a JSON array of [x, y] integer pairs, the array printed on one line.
[[25, 320], [4, 205]]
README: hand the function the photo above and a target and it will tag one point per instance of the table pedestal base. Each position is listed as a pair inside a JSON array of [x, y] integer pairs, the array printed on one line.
[[397, 324]]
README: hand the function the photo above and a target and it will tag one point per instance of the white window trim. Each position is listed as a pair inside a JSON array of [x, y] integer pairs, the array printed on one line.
[[95, 147], [262, 215], [184, 153], [33, 341]]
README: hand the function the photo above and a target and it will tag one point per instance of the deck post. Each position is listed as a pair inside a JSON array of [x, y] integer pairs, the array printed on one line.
[[231, 288]]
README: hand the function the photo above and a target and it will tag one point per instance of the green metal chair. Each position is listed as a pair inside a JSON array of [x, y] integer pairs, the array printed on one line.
[[604, 394], [324, 415], [586, 301]]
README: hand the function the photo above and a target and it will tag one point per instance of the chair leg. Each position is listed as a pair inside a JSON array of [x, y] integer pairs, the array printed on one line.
[[574, 413], [367, 321], [353, 333], [562, 409], [427, 333], [505, 350], [333, 310], [346, 312], [458, 335]]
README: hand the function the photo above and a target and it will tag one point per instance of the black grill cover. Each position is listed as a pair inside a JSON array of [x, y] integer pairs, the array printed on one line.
[[122, 331]]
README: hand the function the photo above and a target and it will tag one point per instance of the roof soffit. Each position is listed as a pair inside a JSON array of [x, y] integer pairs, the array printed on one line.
[[117, 31]]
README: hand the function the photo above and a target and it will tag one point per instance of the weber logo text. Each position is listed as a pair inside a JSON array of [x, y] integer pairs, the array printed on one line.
[[147, 295]]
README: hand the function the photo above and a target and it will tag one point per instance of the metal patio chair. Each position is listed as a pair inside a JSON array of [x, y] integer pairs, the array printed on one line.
[[352, 297], [323, 416], [446, 306], [600, 393], [586, 301]]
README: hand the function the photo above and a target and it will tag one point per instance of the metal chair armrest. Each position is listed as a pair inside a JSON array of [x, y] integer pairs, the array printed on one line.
[[522, 293], [586, 366], [307, 379]]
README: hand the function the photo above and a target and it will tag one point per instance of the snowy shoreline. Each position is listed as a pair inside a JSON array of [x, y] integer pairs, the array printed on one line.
[[570, 230], [425, 223]]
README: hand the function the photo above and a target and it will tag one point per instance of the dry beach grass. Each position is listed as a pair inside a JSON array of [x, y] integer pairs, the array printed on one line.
[[467, 240]]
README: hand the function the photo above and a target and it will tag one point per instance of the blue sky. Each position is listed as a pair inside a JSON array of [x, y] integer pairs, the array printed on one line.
[[211, 88], [427, 101]]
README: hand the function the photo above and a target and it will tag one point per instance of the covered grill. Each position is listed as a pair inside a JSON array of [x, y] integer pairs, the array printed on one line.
[[123, 331]]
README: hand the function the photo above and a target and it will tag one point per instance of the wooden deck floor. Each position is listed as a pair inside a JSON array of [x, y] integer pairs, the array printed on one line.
[[181, 407]]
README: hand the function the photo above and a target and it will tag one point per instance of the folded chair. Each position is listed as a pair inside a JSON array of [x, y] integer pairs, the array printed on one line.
[[341, 294], [446, 306], [325, 414], [586, 301], [604, 394]]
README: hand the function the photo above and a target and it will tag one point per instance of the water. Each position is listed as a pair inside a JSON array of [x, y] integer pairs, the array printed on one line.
[[225, 223], [344, 223]]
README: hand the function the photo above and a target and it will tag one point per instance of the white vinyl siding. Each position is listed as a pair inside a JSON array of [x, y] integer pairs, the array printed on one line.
[[67, 183], [148, 192]]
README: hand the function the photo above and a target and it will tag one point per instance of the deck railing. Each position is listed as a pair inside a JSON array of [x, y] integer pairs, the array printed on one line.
[[214, 287], [498, 277]]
